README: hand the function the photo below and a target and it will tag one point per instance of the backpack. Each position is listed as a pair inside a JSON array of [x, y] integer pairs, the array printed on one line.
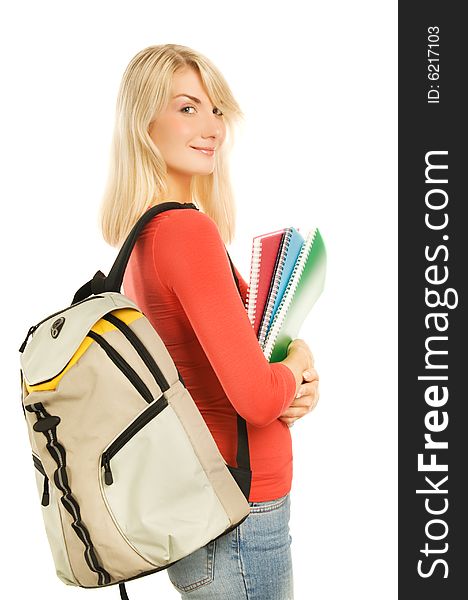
[[129, 476]]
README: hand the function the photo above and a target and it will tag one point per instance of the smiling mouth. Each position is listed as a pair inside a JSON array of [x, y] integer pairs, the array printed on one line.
[[207, 151]]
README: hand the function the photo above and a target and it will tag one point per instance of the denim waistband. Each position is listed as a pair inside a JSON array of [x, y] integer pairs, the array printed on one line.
[[268, 505]]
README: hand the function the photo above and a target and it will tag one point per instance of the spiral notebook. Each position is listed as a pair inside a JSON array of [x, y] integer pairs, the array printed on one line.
[[265, 249], [303, 288], [285, 261]]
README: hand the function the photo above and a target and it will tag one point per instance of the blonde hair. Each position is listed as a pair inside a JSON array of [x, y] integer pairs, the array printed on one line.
[[137, 171]]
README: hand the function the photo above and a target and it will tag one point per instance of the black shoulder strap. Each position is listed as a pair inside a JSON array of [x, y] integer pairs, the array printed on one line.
[[113, 282]]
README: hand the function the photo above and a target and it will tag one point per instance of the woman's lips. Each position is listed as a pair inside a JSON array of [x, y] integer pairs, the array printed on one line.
[[203, 151]]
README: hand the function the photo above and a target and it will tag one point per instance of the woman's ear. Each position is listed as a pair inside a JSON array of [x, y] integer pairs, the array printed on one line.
[[151, 126]]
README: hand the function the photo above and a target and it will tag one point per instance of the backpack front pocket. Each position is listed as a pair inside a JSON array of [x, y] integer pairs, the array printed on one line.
[[127, 434], [156, 489]]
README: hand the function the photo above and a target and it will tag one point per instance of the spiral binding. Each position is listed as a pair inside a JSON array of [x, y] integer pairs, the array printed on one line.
[[252, 291], [265, 324], [287, 297]]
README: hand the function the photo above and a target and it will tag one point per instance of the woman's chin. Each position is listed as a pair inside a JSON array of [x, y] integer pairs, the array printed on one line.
[[205, 171]]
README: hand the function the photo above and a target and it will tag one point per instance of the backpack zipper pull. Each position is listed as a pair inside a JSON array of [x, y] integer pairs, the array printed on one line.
[[45, 494], [107, 470], [31, 331]]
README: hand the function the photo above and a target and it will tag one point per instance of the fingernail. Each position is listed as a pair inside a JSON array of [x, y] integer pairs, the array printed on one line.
[[299, 394], [307, 373]]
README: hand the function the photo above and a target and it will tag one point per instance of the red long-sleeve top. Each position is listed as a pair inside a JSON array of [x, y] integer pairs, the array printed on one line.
[[179, 275]]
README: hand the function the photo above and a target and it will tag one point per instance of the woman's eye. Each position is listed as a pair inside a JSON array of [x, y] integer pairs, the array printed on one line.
[[183, 109]]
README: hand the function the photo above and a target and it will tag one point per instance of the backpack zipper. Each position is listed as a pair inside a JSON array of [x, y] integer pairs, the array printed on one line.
[[143, 419], [40, 468], [34, 327], [123, 365]]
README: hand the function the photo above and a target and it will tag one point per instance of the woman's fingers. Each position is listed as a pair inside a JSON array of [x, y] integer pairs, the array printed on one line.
[[305, 391], [301, 410], [310, 375], [306, 398], [303, 405]]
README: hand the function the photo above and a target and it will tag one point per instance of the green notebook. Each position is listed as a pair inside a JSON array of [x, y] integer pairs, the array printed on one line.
[[304, 287]]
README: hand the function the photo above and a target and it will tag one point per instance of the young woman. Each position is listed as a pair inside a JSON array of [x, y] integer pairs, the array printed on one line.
[[174, 127]]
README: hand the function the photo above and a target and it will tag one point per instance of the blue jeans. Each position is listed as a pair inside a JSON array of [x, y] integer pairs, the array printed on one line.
[[251, 562]]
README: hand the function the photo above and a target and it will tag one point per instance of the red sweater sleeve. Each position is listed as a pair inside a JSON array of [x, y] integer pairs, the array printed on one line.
[[242, 284], [190, 259]]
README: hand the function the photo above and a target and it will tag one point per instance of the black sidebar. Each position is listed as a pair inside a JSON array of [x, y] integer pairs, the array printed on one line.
[[433, 274]]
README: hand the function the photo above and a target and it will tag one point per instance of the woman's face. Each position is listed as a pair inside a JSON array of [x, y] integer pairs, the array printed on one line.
[[187, 124]]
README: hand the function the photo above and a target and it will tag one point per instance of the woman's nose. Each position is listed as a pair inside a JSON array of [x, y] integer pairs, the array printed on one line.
[[212, 127]]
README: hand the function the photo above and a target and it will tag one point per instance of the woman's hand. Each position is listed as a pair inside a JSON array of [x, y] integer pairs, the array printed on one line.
[[308, 397], [299, 345]]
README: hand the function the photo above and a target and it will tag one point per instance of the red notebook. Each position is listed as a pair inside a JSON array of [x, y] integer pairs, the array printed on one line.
[[265, 250]]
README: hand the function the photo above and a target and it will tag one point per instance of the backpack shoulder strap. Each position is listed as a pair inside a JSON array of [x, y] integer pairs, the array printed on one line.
[[113, 282]]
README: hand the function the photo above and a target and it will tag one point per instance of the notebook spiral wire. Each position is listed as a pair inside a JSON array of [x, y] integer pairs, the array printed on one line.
[[252, 290]]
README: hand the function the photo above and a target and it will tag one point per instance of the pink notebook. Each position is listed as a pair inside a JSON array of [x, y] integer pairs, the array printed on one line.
[[265, 249]]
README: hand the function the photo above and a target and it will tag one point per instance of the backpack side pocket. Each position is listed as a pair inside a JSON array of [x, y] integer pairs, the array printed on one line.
[[53, 523]]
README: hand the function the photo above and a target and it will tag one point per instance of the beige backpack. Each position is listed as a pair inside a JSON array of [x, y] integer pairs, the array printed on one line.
[[129, 476]]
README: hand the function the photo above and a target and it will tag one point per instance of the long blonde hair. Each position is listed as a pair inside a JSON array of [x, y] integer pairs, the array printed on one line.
[[137, 171]]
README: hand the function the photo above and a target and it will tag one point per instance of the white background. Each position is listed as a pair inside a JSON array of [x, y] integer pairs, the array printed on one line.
[[317, 83]]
